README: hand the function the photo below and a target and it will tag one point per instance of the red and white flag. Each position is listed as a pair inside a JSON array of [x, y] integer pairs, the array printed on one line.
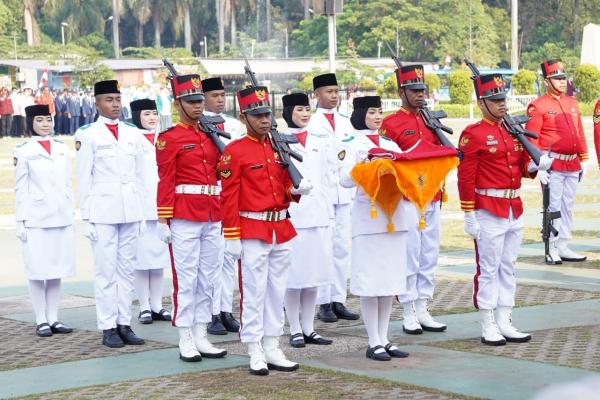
[[44, 79]]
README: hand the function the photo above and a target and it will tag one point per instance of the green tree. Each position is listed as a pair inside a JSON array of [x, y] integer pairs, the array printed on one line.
[[89, 70], [460, 86], [523, 82], [433, 82], [587, 81]]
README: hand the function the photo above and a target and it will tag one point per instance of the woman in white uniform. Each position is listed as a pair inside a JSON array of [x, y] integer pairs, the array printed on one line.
[[152, 253], [312, 261], [378, 254], [44, 217]]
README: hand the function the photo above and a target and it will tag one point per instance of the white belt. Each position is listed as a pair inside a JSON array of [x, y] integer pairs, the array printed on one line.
[[502, 193], [208, 190], [271, 216], [562, 157]]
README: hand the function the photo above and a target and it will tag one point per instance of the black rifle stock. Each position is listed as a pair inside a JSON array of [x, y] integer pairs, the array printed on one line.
[[513, 124], [431, 118], [279, 142], [206, 124], [548, 217]]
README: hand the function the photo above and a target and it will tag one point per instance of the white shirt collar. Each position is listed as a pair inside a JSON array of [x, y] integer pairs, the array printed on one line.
[[365, 132], [321, 110], [104, 120]]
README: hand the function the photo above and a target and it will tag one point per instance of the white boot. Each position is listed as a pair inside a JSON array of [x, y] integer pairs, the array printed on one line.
[[489, 330], [258, 365], [553, 258], [425, 319], [566, 254], [274, 356], [205, 347], [187, 349], [410, 322], [504, 322]]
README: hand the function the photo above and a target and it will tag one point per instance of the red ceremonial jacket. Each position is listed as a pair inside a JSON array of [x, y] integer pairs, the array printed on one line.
[[596, 120], [406, 128], [557, 121], [492, 159], [253, 179], [185, 155]]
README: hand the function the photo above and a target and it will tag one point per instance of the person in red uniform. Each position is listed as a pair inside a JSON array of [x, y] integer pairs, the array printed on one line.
[[256, 194], [489, 182], [189, 215], [556, 118], [596, 119], [406, 128]]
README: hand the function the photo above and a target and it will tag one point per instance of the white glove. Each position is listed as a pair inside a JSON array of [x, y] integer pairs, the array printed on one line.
[[584, 167], [303, 188], [545, 164], [21, 231], [234, 248], [164, 232], [472, 227], [89, 231], [142, 228], [544, 177], [363, 155]]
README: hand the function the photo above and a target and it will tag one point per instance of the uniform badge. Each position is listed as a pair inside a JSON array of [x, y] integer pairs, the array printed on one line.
[[551, 112], [596, 117], [188, 146], [276, 156], [226, 158], [518, 147], [225, 173], [382, 132], [491, 142], [77, 145], [464, 141], [419, 72], [15, 161], [161, 144], [493, 149], [196, 82], [409, 132], [342, 155], [260, 95], [498, 81], [490, 137]]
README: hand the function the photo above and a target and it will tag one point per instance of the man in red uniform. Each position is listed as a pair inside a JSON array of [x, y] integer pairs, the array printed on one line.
[[190, 218], [596, 120], [555, 117], [406, 128], [256, 194], [489, 182]]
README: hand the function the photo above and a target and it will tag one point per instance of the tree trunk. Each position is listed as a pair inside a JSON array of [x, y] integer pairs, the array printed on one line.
[[115, 28], [220, 6], [187, 27], [268, 14], [139, 34], [306, 7], [232, 25], [575, 26], [156, 23]]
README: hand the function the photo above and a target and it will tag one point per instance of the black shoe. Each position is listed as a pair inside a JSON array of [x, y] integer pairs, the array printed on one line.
[[259, 372], [500, 342], [59, 327], [43, 330], [162, 315], [111, 338], [145, 317], [342, 312], [381, 356], [197, 358], [326, 313], [229, 322], [315, 338], [394, 351], [216, 327], [128, 336], [551, 261], [297, 340]]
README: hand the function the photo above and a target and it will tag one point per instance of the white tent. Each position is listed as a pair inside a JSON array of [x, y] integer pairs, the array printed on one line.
[[590, 47]]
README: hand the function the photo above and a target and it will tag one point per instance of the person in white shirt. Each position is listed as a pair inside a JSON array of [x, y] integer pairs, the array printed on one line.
[[44, 217]]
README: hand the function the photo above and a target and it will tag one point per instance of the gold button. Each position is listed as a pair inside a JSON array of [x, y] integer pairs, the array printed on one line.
[[513, 179], [508, 153], [274, 194], [204, 161], [271, 177], [510, 166], [268, 160], [201, 144]]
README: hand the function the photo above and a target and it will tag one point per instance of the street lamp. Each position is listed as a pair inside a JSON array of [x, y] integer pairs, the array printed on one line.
[[331, 8], [62, 31]]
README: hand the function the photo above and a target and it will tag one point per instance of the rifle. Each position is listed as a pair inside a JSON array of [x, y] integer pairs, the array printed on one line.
[[513, 124], [279, 142], [431, 118], [206, 124], [547, 222]]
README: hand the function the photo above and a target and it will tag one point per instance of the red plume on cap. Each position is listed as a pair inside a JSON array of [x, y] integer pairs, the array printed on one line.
[[254, 100], [185, 86], [490, 86], [411, 76]]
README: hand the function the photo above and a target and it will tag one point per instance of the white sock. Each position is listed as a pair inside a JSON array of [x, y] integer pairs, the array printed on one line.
[[369, 311], [384, 306], [52, 300], [142, 287], [291, 302], [37, 293], [308, 301], [156, 289]]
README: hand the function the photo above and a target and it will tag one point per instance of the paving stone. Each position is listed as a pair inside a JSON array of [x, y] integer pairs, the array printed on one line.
[[21, 348], [238, 384], [20, 304], [573, 347]]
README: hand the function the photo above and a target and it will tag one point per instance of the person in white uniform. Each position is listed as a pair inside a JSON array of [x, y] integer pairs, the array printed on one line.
[[111, 181], [152, 253], [223, 320], [44, 217], [378, 255], [312, 261], [327, 120]]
